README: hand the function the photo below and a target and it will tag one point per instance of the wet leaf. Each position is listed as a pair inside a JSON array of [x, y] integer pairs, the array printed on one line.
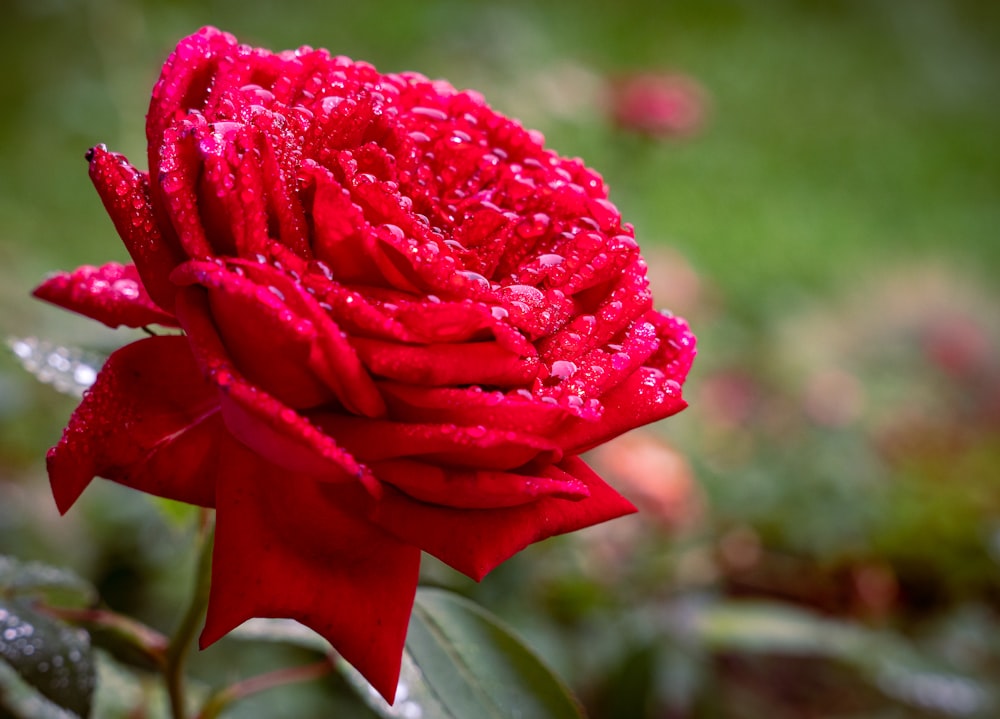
[[58, 586], [888, 661], [49, 655], [19, 700], [462, 662]]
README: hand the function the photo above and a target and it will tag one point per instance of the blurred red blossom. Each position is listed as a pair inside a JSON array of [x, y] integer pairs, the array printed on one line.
[[658, 104], [655, 475]]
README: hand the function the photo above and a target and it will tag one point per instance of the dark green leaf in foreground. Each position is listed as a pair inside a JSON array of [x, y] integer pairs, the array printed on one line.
[[50, 656], [460, 662], [465, 663]]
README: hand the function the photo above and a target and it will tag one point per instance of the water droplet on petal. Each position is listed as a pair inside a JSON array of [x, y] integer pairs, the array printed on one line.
[[620, 360], [563, 369]]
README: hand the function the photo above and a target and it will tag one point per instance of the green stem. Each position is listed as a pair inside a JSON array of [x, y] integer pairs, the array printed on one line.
[[219, 701], [147, 641], [180, 643]]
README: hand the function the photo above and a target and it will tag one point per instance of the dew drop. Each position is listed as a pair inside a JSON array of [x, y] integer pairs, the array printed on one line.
[[536, 225], [471, 280], [563, 369], [429, 112], [329, 104], [620, 360], [128, 289]]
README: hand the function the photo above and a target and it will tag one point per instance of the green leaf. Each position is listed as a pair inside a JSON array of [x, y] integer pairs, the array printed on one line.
[[461, 662], [50, 656], [19, 700], [58, 586], [886, 660], [177, 514]]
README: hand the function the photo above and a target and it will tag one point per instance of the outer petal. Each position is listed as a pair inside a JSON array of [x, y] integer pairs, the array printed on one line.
[[472, 406], [150, 421], [474, 489], [478, 447], [474, 542], [646, 396], [486, 363], [298, 549], [270, 428], [112, 294], [126, 196], [267, 342]]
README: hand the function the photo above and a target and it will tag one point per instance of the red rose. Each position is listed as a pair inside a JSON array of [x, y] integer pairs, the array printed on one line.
[[403, 319], [658, 105]]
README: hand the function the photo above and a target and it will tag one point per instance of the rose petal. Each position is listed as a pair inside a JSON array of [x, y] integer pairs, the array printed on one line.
[[485, 363], [112, 294], [332, 356], [149, 421], [299, 549], [466, 406], [261, 422], [474, 489], [306, 359], [245, 313], [126, 196], [184, 84], [646, 396], [474, 542], [178, 176], [341, 231], [477, 447]]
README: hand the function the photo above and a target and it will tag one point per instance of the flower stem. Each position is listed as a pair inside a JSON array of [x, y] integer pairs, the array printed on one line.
[[219, 701], [149, 643], [180, 643]]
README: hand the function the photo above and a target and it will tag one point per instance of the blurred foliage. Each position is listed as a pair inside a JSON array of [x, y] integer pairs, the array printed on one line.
[[830, 230]]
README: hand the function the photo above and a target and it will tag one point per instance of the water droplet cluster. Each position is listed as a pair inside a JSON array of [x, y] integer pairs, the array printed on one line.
[[49, 655], [69, 370]]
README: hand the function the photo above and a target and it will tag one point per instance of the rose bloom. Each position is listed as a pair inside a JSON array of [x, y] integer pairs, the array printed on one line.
[[403, 320], [658, 104]]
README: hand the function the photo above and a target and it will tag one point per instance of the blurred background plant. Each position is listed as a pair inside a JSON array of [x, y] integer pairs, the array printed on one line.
[[816, 187]]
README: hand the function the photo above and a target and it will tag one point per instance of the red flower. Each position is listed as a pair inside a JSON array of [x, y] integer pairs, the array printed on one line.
[[658, 104], [403, 320]]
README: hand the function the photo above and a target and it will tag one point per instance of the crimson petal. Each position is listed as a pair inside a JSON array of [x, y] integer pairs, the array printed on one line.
[[112, 294], [476, 446], [488, 363], [150, 422], [298, 549], [474, 542], [270, 428], [126, 196], [475, 489]]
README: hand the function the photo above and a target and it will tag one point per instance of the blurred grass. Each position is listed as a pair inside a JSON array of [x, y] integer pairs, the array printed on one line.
[[841, 202]]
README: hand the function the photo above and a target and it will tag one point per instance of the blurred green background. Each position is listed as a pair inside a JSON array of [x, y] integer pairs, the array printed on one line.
[[821, 529]]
